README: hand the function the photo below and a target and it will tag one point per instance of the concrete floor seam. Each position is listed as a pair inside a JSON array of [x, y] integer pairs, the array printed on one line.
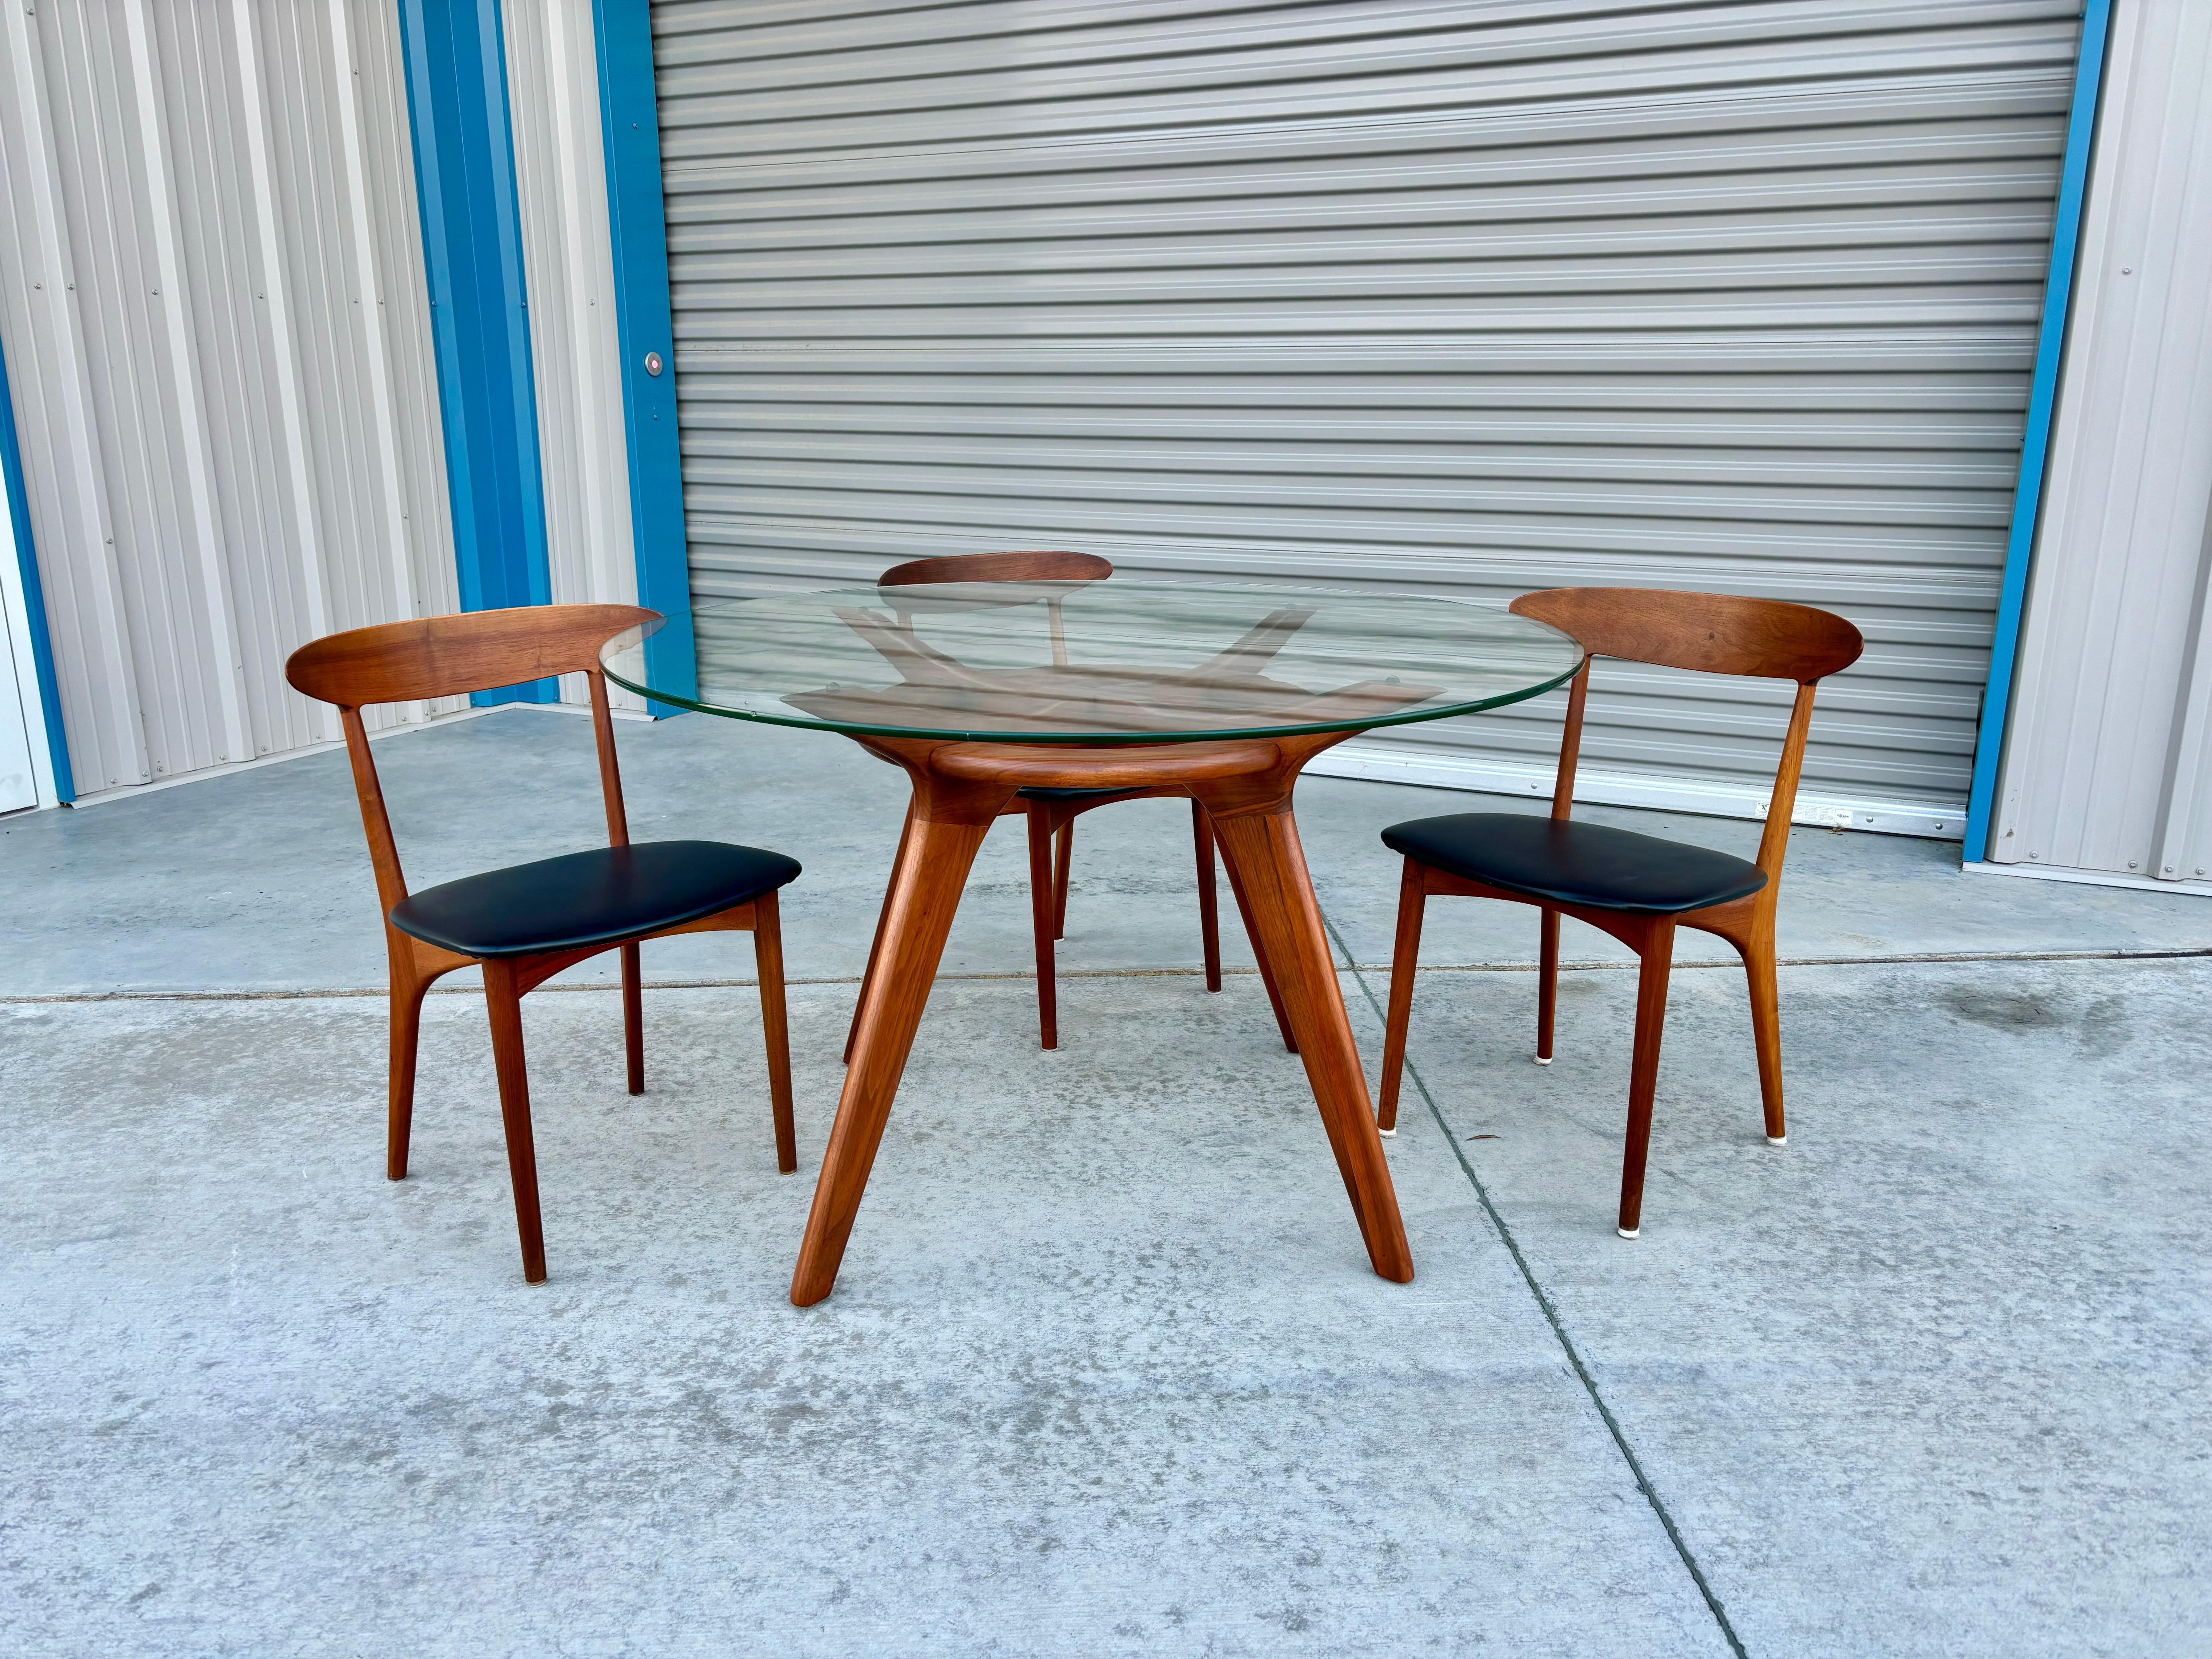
[[1940, 959], [1558, 1330]]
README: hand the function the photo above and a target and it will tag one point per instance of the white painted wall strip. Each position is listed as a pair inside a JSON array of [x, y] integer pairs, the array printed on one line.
[[399, 571], [226, 665], [567, 251], [306, 545]]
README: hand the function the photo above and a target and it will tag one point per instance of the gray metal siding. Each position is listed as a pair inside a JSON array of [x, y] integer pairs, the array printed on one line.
[[2108, 752], [1432, 297], [211, 288]]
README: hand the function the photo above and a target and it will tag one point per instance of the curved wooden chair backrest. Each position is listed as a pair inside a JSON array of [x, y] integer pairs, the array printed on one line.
[[999, 567], [449, 657], [1709, 634]]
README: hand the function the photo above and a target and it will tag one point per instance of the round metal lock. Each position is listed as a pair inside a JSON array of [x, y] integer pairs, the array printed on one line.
[[653, 363]]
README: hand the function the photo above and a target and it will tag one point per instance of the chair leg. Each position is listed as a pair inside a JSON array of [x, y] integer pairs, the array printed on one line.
[[1657, 952], [1042, 906], [1548, 986], [876, 945], [503, 1000], [407, 995], [1260, 955], [634, 1017], [767, 959], [1065, 853], [1766, 1032], [1405, 958], [1209, 913]]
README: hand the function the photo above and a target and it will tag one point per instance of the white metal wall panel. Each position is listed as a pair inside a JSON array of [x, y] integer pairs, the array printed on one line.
[[213, 300], [1447, 297], [567, 251], [21, 785], [2107, 767]]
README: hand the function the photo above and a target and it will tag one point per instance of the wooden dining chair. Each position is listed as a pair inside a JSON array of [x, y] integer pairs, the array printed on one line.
[[1638, 888], [524, 924], [1051, 813]]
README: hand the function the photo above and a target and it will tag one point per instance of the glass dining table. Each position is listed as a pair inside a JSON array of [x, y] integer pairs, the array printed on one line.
[[1222, 692]]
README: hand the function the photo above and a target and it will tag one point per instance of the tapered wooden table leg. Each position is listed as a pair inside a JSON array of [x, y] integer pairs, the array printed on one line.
[[933, 862], [959, 788], [1262, 848]]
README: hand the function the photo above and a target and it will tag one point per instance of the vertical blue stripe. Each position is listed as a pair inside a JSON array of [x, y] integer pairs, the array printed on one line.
[[472, 246], [18, 508], [629, 122], [2035, 448]]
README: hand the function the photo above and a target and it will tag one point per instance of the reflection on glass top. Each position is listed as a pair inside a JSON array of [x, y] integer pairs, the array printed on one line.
[[1118, 659]]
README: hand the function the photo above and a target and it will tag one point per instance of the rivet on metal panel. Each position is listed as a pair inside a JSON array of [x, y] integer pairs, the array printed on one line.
[[2131, 865]]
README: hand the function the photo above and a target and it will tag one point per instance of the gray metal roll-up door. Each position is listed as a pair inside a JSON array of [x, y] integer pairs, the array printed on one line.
[[1459, 298]]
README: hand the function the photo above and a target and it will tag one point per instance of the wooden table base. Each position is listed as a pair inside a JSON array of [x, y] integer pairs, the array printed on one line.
[[959, 790]]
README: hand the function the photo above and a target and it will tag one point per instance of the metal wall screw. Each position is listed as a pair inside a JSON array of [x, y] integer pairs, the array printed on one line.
[[653, 363]]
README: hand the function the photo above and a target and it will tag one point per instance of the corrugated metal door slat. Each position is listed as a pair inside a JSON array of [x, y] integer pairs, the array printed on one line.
[[1454, 299]]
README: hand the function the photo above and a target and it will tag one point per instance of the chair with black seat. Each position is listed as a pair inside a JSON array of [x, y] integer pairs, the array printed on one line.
[[525, 923], [1052, 812], [1638, 888]]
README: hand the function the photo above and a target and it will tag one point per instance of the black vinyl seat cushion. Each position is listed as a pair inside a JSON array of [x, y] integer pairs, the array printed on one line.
[[604, 897], [1570, 863], [1070, 794]]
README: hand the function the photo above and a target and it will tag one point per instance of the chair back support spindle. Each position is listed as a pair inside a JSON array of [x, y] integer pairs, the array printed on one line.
[[1570, 743], [1709, 634], [450, 656]]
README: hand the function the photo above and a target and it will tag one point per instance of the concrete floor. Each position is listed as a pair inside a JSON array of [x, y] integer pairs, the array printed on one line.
[[1106, 1372]]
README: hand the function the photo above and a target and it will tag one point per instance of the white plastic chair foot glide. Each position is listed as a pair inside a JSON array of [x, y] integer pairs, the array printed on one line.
[[1543, 1060], [1778, 1140], [1388, 1134], [1628, 1232]]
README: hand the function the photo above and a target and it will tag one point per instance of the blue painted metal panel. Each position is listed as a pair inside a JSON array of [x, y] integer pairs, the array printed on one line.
[[630, 123], [472, 246], [18, 508], [2035, 450]]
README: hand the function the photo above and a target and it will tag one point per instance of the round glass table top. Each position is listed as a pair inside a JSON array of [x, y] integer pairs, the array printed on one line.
[[1117, 661]]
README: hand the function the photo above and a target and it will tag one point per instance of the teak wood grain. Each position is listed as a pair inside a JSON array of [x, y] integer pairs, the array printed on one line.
[[1051, 823], [1709, 633], [1042, 566], [448, 656], [1243, 789]]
